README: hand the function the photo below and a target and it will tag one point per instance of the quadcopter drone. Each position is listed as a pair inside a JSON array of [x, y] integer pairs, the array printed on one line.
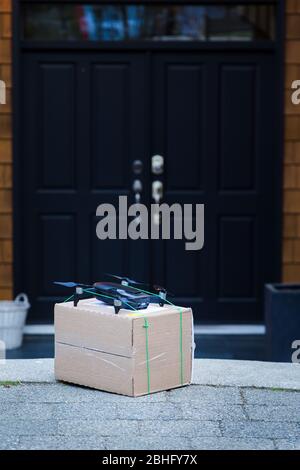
[[119, 295]]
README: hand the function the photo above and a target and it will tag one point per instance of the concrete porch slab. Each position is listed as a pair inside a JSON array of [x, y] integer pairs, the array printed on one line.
[[213, 372]]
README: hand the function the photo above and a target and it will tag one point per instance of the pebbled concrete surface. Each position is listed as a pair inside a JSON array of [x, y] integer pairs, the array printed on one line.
[[61, 416], [242, 408]]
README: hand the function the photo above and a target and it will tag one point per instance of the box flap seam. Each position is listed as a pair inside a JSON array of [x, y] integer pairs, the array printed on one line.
[[93, 349]]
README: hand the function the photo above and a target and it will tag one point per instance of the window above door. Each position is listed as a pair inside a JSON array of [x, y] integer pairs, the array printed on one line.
[[148, 22]]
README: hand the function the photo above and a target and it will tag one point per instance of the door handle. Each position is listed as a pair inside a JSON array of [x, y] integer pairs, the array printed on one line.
[[137, 167], [157, 191], [137, 188], [157, 165], [157, 195]]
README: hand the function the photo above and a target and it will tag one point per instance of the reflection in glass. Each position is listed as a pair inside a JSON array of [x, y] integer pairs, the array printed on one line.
[[115, 22]]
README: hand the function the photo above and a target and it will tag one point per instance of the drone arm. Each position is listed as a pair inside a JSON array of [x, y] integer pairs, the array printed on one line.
[[77, 294]]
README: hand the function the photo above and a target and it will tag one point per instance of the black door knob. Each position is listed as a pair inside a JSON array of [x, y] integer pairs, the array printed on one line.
[[137, 167]]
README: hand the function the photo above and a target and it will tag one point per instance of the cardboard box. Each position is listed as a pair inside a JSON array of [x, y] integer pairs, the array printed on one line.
[[132, 353]]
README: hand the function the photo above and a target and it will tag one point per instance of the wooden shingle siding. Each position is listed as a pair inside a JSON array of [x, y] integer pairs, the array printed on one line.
[[6, 248], [291, 183]]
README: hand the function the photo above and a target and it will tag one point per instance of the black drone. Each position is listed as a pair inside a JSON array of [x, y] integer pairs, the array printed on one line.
[[119, 295]]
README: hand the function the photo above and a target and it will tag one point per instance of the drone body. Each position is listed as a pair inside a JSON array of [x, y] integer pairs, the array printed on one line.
[[122, 295]]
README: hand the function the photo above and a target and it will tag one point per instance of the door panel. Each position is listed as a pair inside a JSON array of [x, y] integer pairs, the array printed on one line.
[[213, 123], [179, 134], [184, 150], [110, 125], [56, 125], [57, 236], [83, 118], [236, 238], [238, 101]]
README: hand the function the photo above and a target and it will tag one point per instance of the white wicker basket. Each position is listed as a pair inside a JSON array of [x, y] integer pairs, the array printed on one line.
[[12, 320]]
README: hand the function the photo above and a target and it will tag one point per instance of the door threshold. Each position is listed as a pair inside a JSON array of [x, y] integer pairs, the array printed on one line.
[[199, 329], [230, 329], [36, 329]]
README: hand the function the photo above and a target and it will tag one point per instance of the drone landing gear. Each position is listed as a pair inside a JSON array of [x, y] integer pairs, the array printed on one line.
[[117, 305], [163, 297], [77, 295]]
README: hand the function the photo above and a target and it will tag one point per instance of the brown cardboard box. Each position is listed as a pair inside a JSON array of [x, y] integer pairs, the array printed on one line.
[[132, 353]]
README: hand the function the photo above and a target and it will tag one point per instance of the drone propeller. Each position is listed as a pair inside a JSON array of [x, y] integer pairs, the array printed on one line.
[[125, 280], [79, 289], [162, 291], [71, 284]]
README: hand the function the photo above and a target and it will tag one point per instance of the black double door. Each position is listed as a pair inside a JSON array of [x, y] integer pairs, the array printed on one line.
[[86, 117]]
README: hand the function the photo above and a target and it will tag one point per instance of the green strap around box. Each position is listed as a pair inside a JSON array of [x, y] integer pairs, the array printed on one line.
[[181, 347], [146, 326]]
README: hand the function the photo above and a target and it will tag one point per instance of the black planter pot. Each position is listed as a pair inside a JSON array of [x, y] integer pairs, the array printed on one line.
[[282, 317]]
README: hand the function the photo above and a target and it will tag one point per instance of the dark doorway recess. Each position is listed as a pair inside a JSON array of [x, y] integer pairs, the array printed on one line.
[[86, 109]]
